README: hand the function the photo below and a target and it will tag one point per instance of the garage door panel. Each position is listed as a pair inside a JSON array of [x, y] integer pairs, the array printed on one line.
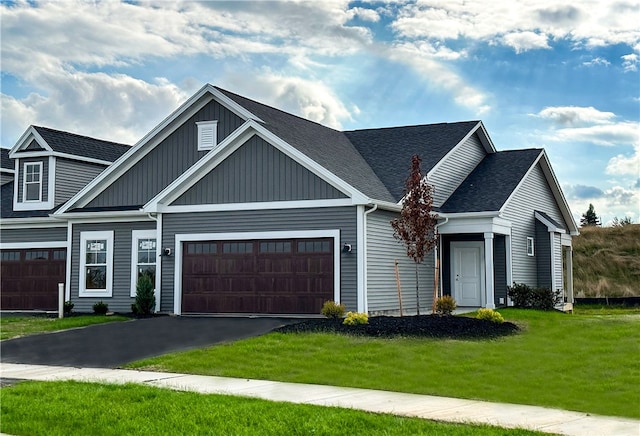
[[283, 276]]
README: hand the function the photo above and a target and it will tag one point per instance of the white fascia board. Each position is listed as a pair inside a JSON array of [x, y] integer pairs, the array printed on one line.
[[485, 139], [479, 224], [258, 205], [82, 158], [469, 214], [386, 205], [559, 195], [32, 245], [111, 216], [31, 223], [550, 226], [7, 170], [24, 141]]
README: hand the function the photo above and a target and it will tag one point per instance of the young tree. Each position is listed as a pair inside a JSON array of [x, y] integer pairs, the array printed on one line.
[[416, 226], [589, 218], [621, 222]]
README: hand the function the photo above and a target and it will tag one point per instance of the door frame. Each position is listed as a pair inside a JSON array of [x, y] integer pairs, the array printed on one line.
[[454, 246]]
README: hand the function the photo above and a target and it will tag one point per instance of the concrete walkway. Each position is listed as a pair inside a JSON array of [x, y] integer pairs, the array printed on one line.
[[421, 406]]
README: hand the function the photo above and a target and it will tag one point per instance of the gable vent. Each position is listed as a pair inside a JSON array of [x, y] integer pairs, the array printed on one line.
[[207, 134]]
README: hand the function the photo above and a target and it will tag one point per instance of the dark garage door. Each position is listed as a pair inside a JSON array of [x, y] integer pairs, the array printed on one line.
[[29, 278], [287, 276]]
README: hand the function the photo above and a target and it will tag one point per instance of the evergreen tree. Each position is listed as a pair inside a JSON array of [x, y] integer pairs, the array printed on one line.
[[589, 218]]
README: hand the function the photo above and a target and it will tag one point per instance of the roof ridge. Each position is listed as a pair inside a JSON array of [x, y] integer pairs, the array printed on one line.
[[77, 135], [371, 129]]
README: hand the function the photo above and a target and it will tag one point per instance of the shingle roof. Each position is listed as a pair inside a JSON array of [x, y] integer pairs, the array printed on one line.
[[6, 205], [5, 162], [551, 220], [70, 143], [491, 183], [389, 150], [328, 147]]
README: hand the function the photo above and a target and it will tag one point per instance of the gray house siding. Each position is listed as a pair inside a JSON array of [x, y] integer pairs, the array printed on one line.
[[533, 194], [500, 270], [45, 176], [343, 218], [72, 176], [382, 252], [257, 171], [167, 161], [5, 178], [455, 168], [557, 262], [50, 234], [120, 301], [542, 252]]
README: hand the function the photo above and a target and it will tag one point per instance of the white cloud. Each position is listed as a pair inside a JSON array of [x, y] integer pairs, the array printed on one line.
[[625, 164], [366, 14], [524, 41], [630, 62], [575, 115], [616, 201], [596, 62]]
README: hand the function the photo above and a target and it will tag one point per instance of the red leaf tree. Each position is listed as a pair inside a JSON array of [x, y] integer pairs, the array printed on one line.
[[416, 226]]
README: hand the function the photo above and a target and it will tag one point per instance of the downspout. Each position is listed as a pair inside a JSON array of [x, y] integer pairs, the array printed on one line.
[[158, 282], [436, 255], [364, 245]]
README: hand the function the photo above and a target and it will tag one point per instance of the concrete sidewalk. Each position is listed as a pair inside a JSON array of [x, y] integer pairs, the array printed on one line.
[[421, 406]]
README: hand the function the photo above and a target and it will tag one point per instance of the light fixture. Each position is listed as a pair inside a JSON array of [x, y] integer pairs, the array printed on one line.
[[346, 248]]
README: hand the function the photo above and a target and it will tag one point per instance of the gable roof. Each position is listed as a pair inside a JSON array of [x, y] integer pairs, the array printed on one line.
[[78, 145], [389, 150], [329, 148], [6, 163], [492, 182]]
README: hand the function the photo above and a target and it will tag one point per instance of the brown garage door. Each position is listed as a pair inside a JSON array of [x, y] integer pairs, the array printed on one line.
[[260, 276], [29, 278]]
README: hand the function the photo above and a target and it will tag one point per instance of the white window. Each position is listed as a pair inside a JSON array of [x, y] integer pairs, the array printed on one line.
[[32, 186], [530, 248], [144, 254], [96, 264], [207, 135]]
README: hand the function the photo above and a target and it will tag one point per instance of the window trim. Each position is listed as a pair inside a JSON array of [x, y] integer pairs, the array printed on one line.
[[84, 237], [25, 183], [532, 246], [136, 235], [206, 127]]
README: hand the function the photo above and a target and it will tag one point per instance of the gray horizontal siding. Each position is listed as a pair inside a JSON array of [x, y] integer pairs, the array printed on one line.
[[5, 178], [35, 235], [500, 270], [342, 218], [557, 262], [121, 298], [382, 251], [72, 176], [534, 194], [455, 168], [167, 161], [45, 176], [257, 171]]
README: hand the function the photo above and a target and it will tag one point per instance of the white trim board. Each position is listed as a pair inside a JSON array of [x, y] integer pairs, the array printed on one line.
[[298, 234], [136, 235], [33, 245], [108, 236]]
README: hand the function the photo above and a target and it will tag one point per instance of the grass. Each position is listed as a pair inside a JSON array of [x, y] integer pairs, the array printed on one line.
[[607, 261], [73, 408], [12, 327], [576, 362]]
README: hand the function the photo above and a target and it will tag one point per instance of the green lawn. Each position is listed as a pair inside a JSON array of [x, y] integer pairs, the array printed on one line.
[[577, 362], [11, 327], [72, 408]]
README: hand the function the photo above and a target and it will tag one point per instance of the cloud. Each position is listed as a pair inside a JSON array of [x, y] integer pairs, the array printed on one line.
[[630, 63], [625, 164], [366, 14], [584, 192], [596, 62], [575, 115], [524, 41], [615, 201]]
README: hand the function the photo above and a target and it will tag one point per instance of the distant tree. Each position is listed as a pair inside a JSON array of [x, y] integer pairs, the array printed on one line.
[[416, 226], [589, 218], [621, 222]]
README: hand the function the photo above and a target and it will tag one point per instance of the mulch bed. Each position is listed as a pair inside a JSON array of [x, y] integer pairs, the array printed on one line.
[[431, 326]]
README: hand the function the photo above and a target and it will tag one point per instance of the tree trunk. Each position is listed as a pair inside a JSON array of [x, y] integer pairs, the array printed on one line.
[[417, 292]]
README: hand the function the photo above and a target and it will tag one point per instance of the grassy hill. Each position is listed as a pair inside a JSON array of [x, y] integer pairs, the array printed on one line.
[[606, 261]]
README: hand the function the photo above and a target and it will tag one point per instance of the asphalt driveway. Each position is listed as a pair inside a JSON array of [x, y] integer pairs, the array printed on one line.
[[114, 344]]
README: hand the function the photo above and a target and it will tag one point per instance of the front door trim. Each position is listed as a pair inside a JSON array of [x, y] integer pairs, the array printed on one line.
[[455, 246]]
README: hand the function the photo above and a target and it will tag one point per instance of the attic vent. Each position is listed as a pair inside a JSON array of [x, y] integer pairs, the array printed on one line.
[[207, 135]]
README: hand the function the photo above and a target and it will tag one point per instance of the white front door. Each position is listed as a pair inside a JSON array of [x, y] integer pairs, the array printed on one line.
[[467, 275]]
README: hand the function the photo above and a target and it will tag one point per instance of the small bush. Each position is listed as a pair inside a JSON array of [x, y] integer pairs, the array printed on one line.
[[100, 308], [68, 307], [332, 310], [145, 296], [355, 318], [445, 305], [490, 315], [528, 297]]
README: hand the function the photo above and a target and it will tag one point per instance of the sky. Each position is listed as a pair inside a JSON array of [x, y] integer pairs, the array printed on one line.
[[553, 74]]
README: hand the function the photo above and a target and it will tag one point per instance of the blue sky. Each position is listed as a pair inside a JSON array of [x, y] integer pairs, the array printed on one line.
[[539, 73]]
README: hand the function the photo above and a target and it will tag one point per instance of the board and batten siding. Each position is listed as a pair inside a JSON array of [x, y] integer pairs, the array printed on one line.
[[257, 171], [542, 251], [72, 176], [500, 270], [382, 252], [168, 160], [45, 176], [533, 194], [342, 218], [455, 167], [35, 235], [121, 299]]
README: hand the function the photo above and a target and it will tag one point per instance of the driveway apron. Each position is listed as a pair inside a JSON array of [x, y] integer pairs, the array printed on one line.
[[114, 344]]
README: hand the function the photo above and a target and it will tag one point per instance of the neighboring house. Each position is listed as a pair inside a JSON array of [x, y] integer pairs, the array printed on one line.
[[237, 207], [47, 167]]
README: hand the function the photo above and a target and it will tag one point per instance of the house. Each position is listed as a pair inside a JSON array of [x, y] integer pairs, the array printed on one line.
[[237, 207]]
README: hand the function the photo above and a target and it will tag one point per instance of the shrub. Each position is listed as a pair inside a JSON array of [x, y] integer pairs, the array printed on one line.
[[100, 308], [445, 305], [526, 296], [68, 307], [145, 297], [490, 315], [355, 318], [332, 310]]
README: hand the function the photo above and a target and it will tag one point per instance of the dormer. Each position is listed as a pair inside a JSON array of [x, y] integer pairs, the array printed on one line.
[[34, 172]]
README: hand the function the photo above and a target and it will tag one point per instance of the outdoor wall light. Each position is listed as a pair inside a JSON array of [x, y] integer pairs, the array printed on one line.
[[346, 248], [166, 251]]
